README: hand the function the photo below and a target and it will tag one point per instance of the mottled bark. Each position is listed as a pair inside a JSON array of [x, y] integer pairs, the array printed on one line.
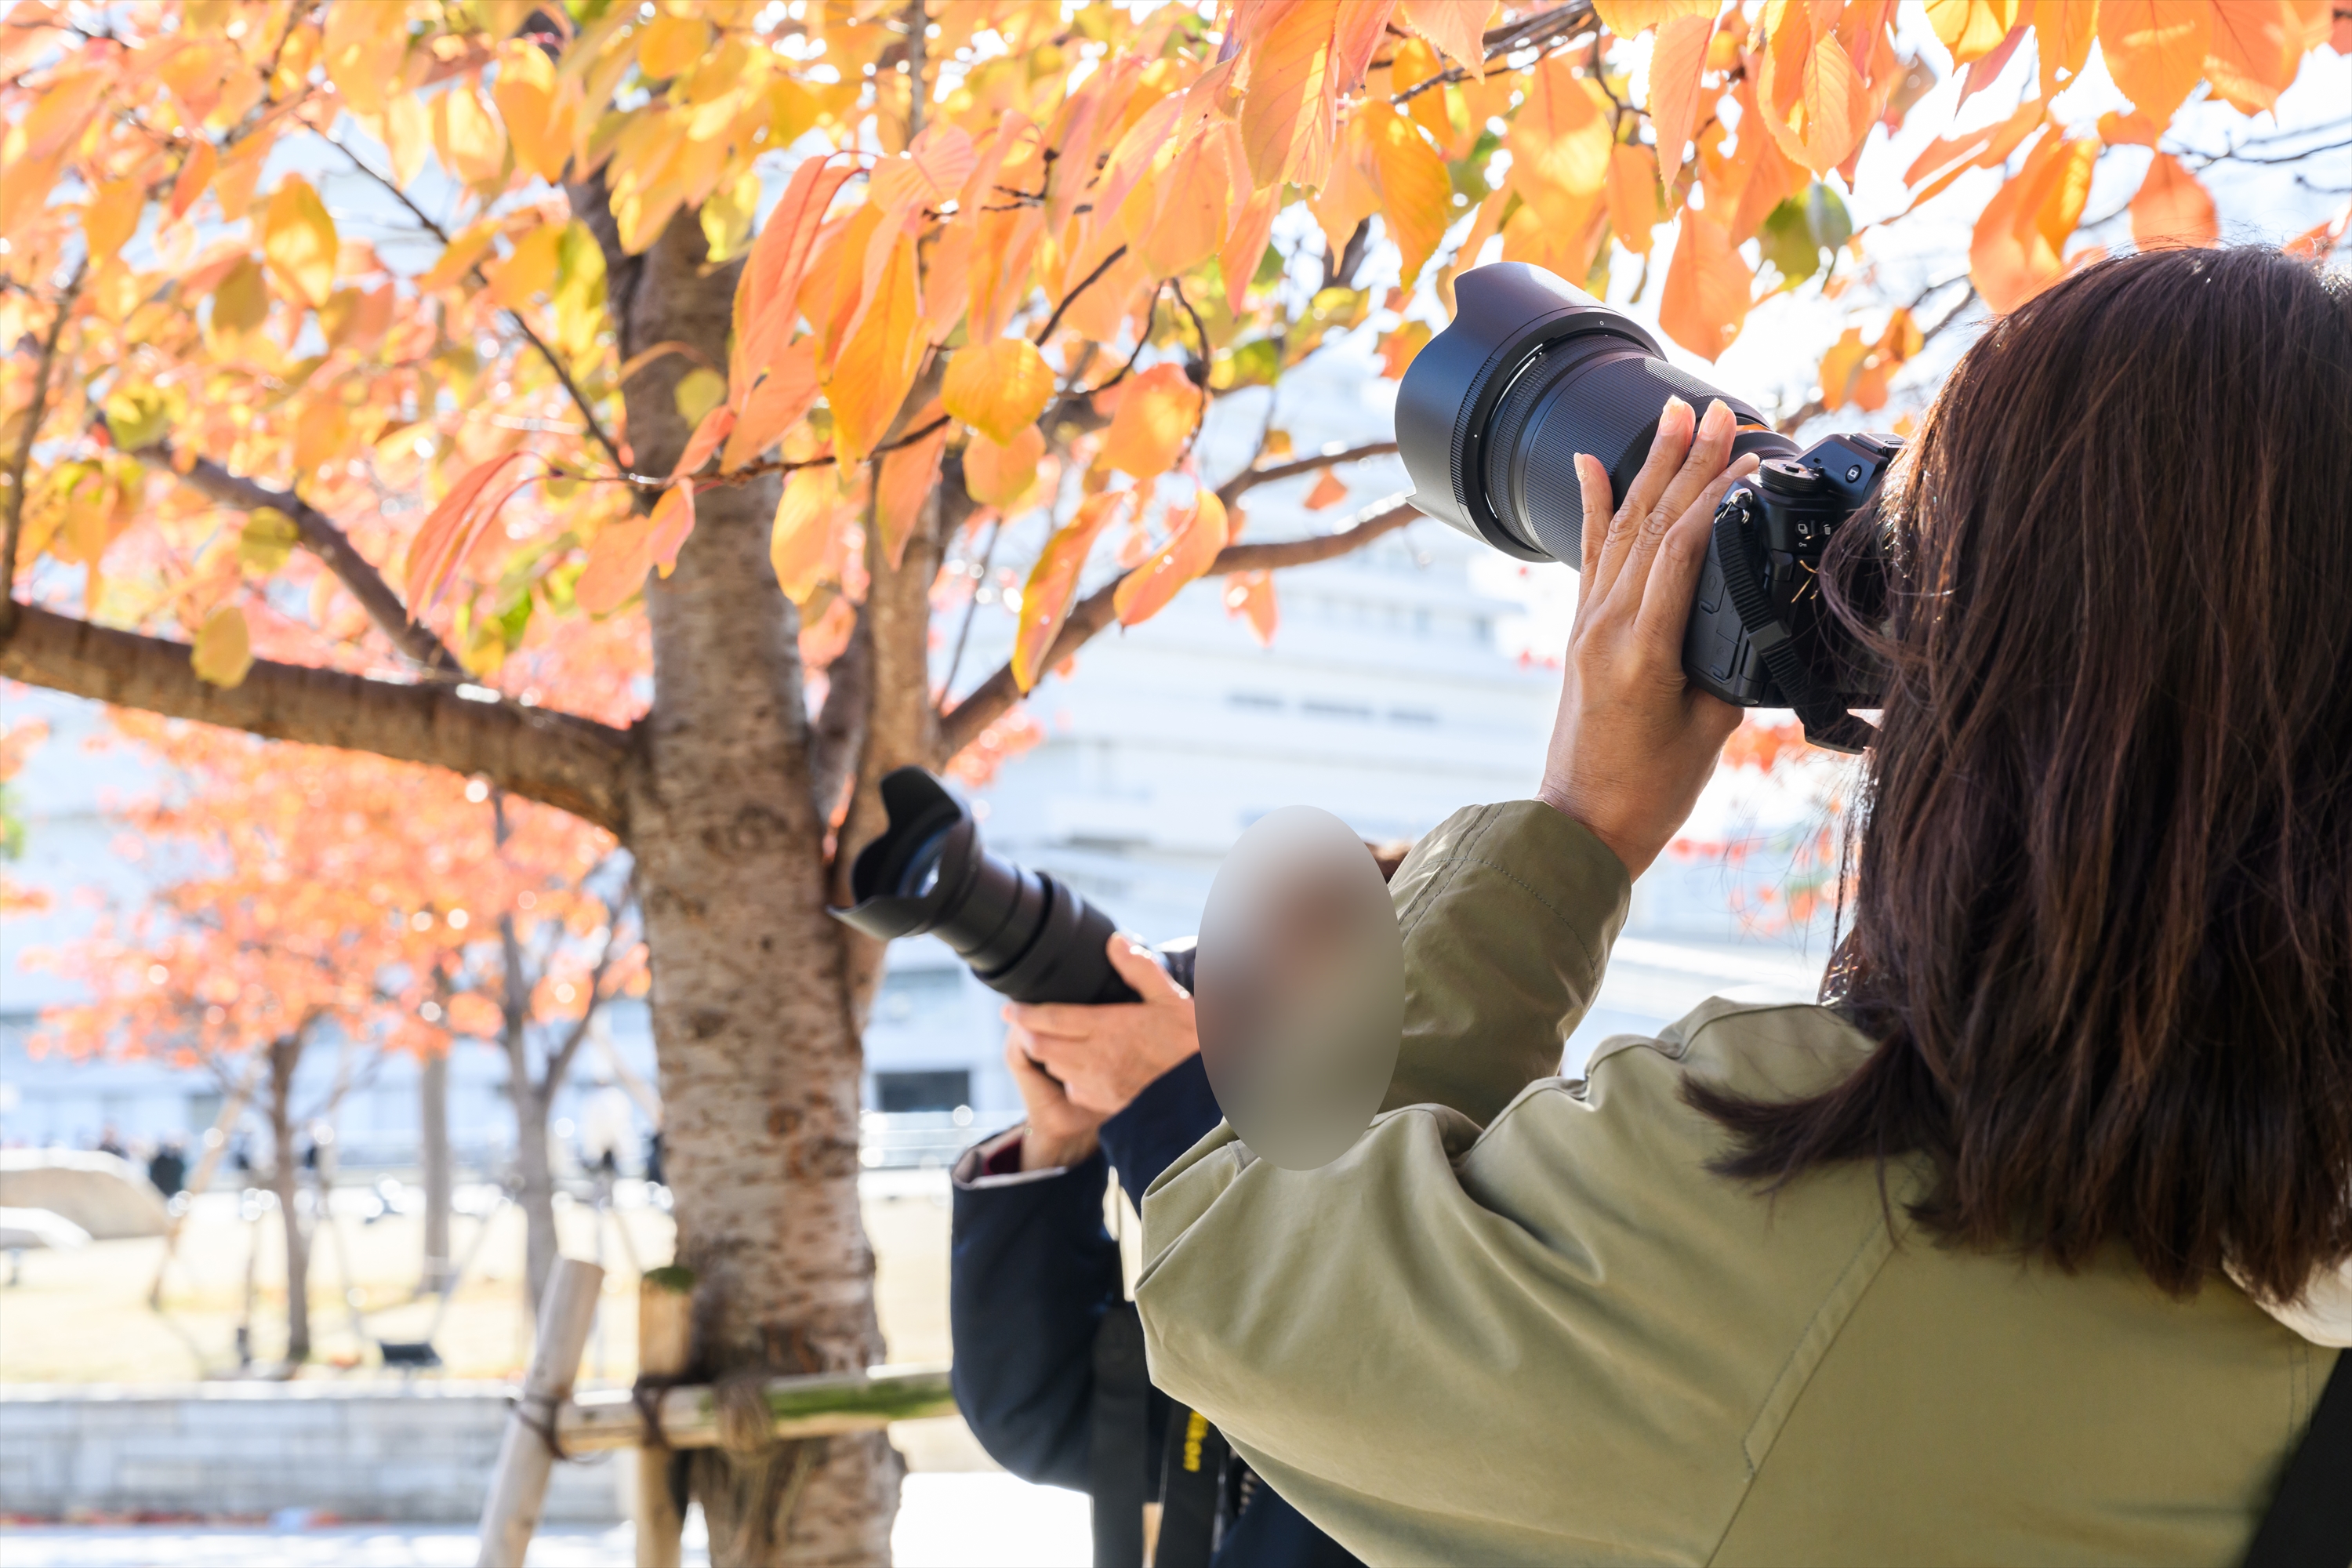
[[759, 1062]]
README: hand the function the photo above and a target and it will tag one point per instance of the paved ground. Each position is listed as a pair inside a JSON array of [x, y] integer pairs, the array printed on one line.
[[944, 1521]]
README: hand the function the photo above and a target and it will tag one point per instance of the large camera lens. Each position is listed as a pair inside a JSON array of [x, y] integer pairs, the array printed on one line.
[[1023, 932], [1532, 370]]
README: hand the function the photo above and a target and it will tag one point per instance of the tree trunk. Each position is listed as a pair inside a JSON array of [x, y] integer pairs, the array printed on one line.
[[285, 1182], [433, 1116], [535, 1188], [760, 1061]]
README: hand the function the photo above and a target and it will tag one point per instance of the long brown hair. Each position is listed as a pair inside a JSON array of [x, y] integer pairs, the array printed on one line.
[[2101, 919]]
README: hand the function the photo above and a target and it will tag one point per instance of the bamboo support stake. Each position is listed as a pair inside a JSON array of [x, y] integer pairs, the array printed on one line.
[[818, 1406], [665, 1340], [519, 1484]]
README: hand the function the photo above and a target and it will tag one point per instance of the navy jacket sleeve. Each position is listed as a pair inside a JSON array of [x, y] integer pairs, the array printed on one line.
[[1031, 1272], [1174, 1111]]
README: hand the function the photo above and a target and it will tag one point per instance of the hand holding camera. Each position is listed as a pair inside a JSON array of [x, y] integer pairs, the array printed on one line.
[[1077, 1065]]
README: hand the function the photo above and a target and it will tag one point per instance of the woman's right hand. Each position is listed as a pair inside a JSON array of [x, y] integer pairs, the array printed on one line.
[[1635, 741]]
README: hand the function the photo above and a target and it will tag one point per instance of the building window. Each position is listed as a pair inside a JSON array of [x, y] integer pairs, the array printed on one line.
[[943, 1090], [1411, 716], [1258, 701], [1337, 709]]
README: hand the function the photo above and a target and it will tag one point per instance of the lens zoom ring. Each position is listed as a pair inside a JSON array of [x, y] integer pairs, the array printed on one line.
[[1504, 430]]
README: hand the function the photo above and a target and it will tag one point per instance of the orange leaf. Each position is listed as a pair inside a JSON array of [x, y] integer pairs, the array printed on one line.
[[1559, 145], [1327, 491], [1054, 581], [1292, 101], [2014, 254], [2134, 129], [447, 532], [1400, 347], [767, 299], [2172, 208], [908, 476], [876, 366], [1633, 196], [1839, 366], [541, 110], [2315, 243], [1245, 245], [1454, 26], [673, 520], [2156, 50], [1157, 414], [458, 256], [1002, 476], [1356, 35], [1195, 193], [705, 440], [1707, 285], [363, 47], [802, 541], [1416, 195], [1819, 106], [1677, 60], [1414, 62], [2062, 31], [195, 174], [1353, 193], [1199, 532], [2257, 48], [112, 217], [1251, 594], [773, 406], [998, 387]]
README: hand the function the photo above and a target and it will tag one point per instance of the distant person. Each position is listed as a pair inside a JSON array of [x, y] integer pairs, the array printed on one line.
[[606, 1123], [653, 1159], [109, 1142], [168, 1169]]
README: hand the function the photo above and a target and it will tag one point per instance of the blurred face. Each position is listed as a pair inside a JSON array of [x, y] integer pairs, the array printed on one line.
[[1299, 988]]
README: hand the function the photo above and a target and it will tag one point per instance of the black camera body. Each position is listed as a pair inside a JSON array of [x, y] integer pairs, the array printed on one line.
[[1533, 370]]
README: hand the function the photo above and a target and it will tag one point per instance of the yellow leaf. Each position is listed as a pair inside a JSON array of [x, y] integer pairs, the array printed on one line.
[[2172, 208], [268, 539], [800, 545], [407, 136], [1453, 26], [1003, 476], [471, 146], [224, 649], [1197, 534], [1158, 413], [998, 387], [1054, 581], [298, 241], [909, 474], [362, 49], [529, 269], [1416, 196], [2155, 50], [1193, 197], [1707, 293], [541, 110], [458, 256], [112, 218], [698, 392], [1414, 62], [671, 45], [874, 369], [1634, 196], [1971, 28]]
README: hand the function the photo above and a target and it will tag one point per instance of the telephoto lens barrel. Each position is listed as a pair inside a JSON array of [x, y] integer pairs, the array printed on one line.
[[1023, 934], [1532, 370]]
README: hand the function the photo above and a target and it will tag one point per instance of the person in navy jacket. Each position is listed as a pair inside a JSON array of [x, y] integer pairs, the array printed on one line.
[[1048, 1354]]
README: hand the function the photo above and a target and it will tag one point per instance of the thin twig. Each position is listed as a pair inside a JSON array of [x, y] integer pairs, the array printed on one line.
[[20, 466], [971, 605], [1071, 298], [1550, 27], [1250, 478], [546, 351]]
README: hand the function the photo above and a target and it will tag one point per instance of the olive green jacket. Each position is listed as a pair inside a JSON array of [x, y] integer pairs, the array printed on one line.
[[1520, 1323]]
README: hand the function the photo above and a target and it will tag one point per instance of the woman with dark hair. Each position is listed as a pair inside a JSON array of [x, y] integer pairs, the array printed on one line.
[[2024, 1244]]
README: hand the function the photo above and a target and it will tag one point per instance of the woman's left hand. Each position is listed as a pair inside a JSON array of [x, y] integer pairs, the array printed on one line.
[[1634, 741]]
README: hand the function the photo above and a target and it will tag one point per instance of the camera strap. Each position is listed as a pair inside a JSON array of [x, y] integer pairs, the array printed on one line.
[[1119, 1429], [2309, 1524], [1827, 723]]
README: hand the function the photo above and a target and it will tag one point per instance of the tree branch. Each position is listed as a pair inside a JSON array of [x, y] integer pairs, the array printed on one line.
[[839, 732], [334, 549], [21, 464], [1547, 27], [1248, 479], [989, 701], [571, 763], [1072, 297]]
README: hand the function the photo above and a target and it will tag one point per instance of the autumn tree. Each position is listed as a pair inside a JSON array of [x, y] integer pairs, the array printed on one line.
[[16, 742], [724, 327]]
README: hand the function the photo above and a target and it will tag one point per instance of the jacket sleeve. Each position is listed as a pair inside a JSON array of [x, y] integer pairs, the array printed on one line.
[[1174, 1111], [1031, 1272]]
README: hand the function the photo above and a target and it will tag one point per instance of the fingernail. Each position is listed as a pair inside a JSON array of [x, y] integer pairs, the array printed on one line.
[[1718, 421]]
